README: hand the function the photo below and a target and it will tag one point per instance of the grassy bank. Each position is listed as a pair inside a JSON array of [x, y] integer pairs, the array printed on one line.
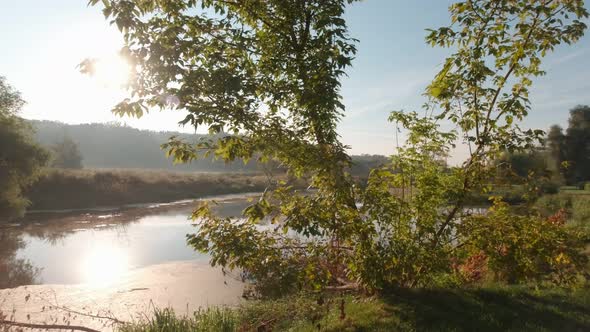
[[75, 189], [482, 309]]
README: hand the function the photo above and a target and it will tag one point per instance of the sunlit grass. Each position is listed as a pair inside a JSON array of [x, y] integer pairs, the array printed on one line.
[[214, 319]]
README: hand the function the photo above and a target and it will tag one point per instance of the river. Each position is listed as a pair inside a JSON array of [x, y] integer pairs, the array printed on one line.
[[118, 262]]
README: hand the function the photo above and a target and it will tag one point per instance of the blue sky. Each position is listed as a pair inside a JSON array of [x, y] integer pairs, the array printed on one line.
[[43, 41]]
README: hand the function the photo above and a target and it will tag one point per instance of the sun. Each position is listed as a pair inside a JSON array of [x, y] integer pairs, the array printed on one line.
[[112, 71]]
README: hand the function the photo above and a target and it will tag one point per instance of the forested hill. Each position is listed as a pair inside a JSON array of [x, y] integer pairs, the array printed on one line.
[[118, 146]]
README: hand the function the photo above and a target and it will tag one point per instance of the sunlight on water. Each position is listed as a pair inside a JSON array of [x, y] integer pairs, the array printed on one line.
[[104, 265]]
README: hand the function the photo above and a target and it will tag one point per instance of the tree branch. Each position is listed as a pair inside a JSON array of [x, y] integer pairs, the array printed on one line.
[[47, 326]]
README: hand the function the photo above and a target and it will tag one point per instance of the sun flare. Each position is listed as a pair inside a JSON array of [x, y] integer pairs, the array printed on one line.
[[112, 71], [104, 265]]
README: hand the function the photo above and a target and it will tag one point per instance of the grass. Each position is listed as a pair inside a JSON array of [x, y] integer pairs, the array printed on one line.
[[78, 189], [214, 319], [482, 309]]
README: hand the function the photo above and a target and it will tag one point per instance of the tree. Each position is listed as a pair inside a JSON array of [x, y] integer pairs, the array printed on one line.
[[523, 165], [20, 158], [482, 89], [571, 152], [268, 73], [578, 145], [557, 148], [66, 154]]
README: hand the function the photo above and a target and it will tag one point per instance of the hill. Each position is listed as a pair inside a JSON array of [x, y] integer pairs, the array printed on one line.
[[119, 146]]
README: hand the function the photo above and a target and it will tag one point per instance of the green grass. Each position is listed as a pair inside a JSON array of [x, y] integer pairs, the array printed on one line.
[[575, 192], [214, 319], [482, 309]]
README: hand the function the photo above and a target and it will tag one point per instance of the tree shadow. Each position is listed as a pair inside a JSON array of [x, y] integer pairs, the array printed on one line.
[[487, 310]]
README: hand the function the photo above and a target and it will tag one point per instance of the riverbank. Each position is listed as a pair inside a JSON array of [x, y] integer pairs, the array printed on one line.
[[184, 286], [490, 308], [59, 189], [495, 308]]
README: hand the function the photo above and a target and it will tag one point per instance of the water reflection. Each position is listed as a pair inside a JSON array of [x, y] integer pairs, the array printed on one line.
[[15, 271], [98, 248], [104, 265]]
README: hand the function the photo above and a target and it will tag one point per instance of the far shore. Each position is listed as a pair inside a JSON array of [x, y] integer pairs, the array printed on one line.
[[111, 216], [110, 189]]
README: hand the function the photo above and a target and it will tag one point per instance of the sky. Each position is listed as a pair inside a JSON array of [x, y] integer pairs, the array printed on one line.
[[43, 41]]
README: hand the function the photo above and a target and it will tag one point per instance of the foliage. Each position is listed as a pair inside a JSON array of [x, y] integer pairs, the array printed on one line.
[[66, 154], [405, 223], [525, 248], [482, 89], [528, 169], [267, 74], [522, 163], [556, 145], [578, 144], [570, 150], [575, 203], [20, 158]]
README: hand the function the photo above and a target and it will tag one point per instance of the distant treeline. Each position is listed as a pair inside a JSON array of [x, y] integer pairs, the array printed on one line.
[[120, 146]]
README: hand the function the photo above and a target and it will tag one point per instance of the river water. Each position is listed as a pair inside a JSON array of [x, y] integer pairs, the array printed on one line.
[[118, 263], [99, 247]]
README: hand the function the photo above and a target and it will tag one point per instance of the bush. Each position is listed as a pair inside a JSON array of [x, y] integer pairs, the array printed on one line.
[[524, 248], [549, 204], [577, 207]]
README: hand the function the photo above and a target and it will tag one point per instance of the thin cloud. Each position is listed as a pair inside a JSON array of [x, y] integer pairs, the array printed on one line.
[[568, 57], [402, 91]]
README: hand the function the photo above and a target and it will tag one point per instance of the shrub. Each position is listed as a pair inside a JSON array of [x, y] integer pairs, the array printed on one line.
[[525, 248]]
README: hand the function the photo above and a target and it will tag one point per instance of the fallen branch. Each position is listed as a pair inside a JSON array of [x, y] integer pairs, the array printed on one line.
[[352, 286], [57, 306], [47, 326]]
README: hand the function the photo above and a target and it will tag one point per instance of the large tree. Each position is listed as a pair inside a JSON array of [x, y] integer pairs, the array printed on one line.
[[571, 151], [578, 145], [268, 73], [20, 157]]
